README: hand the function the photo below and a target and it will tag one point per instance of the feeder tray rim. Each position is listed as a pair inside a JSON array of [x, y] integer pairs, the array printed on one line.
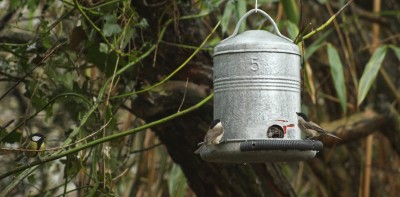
[[260, 139]]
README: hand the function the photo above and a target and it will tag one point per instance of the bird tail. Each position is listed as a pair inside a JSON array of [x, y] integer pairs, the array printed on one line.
[[333, 136], [198, 150]]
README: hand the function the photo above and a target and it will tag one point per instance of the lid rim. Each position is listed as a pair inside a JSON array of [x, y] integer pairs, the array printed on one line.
[[256, 41]]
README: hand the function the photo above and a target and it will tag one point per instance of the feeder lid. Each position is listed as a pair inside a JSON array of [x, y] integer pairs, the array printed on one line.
[[256, 41]]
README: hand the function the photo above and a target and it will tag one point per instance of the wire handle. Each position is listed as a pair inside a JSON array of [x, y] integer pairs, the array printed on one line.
[[277, 32]]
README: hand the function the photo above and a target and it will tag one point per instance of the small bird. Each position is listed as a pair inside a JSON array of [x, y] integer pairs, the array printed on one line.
[[310, 128], [213, 135], [274, 132], [36, 142]]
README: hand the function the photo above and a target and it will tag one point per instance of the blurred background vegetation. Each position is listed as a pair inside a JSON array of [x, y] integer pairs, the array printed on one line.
[[98, 78]]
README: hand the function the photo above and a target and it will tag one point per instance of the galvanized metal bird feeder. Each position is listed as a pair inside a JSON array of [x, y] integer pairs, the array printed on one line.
[[257, 95]]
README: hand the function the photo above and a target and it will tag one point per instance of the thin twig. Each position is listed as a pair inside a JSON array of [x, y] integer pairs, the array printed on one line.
[[43, 108], [112, 81], [184, 95], [300, 21], [145, 149], [323, 26], [6, 125], [47, 55], [107, 138], [176, 70], [57, 148]]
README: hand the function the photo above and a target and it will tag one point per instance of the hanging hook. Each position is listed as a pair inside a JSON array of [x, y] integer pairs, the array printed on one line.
[[256, 6]]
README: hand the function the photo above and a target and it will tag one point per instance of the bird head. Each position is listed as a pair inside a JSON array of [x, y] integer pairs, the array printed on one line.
[[304, 116], [37, 137], [214, 123]]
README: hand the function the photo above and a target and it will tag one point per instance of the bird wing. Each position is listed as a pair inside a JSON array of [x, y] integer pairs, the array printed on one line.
[[315, 127], [320, 130], [213, 134], [333, 136]]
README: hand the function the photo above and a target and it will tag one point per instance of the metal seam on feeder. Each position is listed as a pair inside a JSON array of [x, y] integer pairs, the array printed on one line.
[[263, 83]]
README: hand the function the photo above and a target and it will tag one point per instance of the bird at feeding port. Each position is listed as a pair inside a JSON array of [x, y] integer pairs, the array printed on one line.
[[213, 135], [274, 132], [310, 128], [36, 142]]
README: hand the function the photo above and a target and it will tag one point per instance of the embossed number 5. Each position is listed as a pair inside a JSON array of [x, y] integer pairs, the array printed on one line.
[[254, 64]]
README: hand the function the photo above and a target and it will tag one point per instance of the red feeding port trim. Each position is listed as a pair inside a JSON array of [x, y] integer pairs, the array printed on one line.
[[289, 125]]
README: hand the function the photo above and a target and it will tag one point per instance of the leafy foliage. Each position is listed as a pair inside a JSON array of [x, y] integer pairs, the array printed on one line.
[[73, 70], [338, 75], [370, 73]]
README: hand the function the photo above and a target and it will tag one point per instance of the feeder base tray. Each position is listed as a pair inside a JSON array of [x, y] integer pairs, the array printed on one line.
[[260, 151]]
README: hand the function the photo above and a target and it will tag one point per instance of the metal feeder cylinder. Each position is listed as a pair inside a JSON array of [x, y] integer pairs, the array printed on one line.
[[257, 95]]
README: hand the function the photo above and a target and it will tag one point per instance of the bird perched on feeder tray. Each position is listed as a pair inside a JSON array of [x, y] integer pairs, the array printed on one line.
[[310, 128], [213, 135], [36, 142]]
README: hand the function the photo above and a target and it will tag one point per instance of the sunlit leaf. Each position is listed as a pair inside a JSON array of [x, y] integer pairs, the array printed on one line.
[[103, 48], [142, 23], [230, 6], [111, 29], [370, 72], [241, 10], [292, 29], [291, 10], [176, 182], [309, 81], [337, 75], [111, 26]]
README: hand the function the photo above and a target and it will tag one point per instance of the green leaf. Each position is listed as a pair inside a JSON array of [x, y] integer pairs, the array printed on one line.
[[129, 34], [176, 182], [111, 29], [370, 72], [338, 75], [292, 29], [111, 26], [72, 167], [291, 10], [104, 48], [31, 179], [317, 44], [10, 137], [241, 10], [230, 6], [396, 51]]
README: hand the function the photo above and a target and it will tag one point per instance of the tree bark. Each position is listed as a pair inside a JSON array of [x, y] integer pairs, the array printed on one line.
[[181, 135]]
